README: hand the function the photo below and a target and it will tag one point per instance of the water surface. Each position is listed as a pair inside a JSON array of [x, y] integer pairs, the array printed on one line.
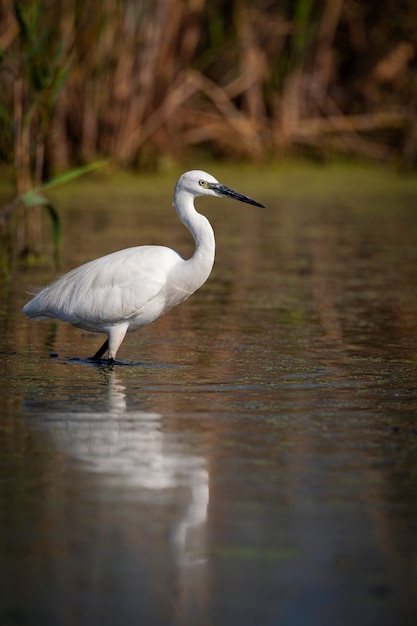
[[252, 459]]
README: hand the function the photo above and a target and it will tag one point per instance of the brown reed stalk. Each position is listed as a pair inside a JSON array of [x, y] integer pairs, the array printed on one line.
[[241, 78]]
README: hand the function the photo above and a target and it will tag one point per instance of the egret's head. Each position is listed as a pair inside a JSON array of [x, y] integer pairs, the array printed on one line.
[[199, 183]]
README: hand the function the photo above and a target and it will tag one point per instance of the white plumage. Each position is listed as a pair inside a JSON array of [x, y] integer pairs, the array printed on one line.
[[128, 289]]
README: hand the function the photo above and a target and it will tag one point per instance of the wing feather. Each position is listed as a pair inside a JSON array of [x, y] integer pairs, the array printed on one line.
[[107, 290]]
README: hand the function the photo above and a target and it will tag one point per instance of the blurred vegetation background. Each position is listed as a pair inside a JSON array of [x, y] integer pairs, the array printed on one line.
[[141, 82]]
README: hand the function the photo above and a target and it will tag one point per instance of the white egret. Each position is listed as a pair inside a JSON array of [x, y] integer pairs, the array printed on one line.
[[128, 289]]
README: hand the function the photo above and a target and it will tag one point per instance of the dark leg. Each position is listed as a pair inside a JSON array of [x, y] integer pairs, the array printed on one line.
[[101, 351]]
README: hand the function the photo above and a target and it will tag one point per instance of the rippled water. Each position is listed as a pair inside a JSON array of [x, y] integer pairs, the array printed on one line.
[[253, 457]]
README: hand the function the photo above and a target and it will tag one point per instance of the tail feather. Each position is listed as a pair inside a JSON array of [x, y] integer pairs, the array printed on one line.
[[31, 310]]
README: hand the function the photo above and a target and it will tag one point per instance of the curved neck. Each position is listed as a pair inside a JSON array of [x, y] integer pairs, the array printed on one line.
[[203, 258]]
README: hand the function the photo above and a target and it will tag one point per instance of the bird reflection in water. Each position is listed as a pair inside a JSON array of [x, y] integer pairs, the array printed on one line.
[[131, 451]]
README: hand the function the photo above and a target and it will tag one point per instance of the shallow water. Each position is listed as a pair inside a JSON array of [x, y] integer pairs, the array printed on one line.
[[252, 458]]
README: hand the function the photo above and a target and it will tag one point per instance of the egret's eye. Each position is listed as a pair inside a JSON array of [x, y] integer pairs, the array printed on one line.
[[203, 183]]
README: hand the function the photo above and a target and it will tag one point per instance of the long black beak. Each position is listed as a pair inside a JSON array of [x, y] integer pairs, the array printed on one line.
[[225, 192]]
